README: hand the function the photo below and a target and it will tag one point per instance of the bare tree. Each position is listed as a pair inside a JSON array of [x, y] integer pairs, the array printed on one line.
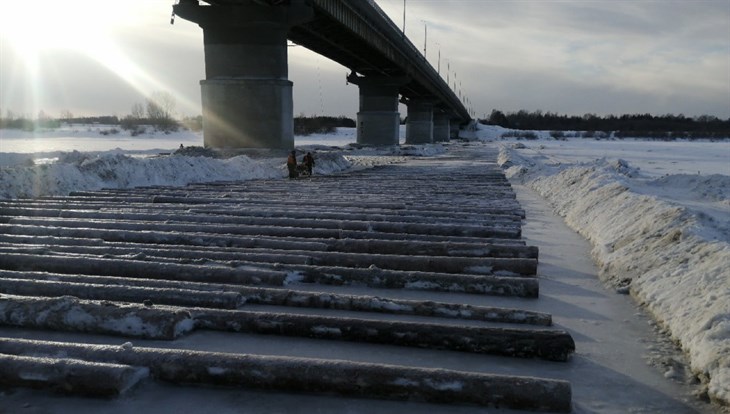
[[160, 106], [66, 115], [137, 111]]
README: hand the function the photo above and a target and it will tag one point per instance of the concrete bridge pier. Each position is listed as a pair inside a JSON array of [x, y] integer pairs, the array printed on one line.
[[441, 127], [378, 121], [420, 126], [454, 130], [246, 95]]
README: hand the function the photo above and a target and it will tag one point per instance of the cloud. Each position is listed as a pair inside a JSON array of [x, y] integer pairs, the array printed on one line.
[[563, 56], [650, 53]]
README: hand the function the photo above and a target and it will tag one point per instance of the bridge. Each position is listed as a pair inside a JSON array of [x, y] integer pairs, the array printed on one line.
[[247, 96]]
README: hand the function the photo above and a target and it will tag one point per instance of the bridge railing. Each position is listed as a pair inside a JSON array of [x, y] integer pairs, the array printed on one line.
[[395, 28], [413, 53]]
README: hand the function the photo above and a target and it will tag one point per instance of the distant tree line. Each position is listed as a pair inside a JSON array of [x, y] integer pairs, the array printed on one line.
[[11, 121], [157, 111], [636, 125], [102, 119], [307, 125]]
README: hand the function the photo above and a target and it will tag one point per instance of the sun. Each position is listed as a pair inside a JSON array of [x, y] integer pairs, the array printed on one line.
[[34, 26], [31, 30], [43, 30]]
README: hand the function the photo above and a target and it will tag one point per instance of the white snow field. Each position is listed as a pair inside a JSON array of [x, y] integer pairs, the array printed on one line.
[[656, 214]]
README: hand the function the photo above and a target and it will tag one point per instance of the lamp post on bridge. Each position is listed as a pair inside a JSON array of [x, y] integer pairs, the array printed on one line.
[[448, 71], [425, 38], [404, 19]]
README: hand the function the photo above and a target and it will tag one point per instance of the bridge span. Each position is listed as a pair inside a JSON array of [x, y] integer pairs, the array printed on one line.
[[247, 96]]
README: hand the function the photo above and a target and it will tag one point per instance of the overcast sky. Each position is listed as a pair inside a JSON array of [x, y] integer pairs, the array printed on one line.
[[96, 57]]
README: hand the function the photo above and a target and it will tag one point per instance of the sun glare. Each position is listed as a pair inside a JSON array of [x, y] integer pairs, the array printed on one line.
[[88, 27], [32, 26]]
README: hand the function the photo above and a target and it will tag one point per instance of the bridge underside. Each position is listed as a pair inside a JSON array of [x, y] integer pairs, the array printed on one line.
[[334, 40], [247, 97]]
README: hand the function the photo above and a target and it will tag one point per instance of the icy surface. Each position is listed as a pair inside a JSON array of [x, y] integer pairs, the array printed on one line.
[[658, 228], [665, 239]]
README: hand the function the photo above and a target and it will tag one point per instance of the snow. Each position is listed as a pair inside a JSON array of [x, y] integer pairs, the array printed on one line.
[[665, 237], [446, 386], [217, 370], [657, 214], [293, 277], [325, 330], [389, 305], [404, 382], [36, 164], [90, 138]]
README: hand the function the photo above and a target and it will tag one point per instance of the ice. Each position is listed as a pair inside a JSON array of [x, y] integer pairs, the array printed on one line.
[[656, 213], [324, 330], [669, 236]]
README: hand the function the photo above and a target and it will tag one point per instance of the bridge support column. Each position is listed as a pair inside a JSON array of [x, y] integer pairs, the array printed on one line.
[[419, 126], [454, 130], [441, 127], [246, 96], [378, 121]]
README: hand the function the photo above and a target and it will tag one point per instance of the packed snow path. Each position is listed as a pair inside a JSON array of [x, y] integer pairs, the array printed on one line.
[[381, 256]]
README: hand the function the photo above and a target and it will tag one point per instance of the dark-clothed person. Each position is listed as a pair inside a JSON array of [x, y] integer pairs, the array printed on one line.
[[291, 164], [308, 162]]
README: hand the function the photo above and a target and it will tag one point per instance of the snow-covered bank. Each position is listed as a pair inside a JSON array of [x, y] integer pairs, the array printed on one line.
[[77, 171], [116, 170], [93, 138], [154, 161], [666, 240]]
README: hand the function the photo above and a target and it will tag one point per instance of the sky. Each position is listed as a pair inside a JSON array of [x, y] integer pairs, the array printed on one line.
[[92, 57]]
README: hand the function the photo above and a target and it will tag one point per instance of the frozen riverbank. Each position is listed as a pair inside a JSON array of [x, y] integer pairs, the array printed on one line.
[[658, 224], [665, 240], [57, 167]]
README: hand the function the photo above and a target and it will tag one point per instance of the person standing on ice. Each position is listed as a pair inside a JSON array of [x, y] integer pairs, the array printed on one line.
[[308, 161], [291, 164]]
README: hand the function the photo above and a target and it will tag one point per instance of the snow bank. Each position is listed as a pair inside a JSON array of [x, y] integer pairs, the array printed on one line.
[[77, 171], [49, 171], [115, 170], [672, 256], [93, 138]]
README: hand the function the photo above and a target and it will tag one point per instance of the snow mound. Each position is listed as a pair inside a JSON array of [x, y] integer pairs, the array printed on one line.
[[713, 187], [23, 176], [658, 247], [622, 167], [78, 171]]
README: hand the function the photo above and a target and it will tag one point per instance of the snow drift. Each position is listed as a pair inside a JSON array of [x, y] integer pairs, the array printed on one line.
[[149, 160], [77, 171], [671, 257]]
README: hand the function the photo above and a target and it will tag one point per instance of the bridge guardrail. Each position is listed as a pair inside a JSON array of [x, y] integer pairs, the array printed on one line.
[[412, 52]]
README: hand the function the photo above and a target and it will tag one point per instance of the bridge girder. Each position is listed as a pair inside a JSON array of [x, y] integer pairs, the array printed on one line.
[[359, 35]]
